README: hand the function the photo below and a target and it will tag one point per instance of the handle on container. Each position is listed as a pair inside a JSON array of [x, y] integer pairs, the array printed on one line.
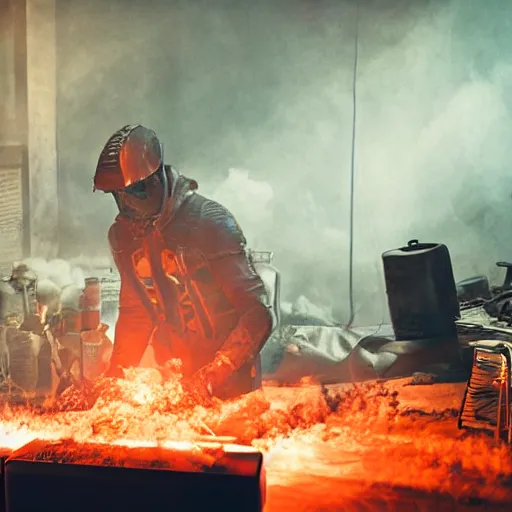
[[410, 243]]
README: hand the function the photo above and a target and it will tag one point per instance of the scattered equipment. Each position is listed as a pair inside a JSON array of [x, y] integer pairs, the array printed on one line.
[[486, 402]]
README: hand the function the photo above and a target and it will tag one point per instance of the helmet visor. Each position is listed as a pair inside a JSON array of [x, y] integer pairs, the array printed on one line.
[[143, 199]]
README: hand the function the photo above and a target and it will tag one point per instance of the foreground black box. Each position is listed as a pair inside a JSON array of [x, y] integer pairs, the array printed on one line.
[[3, 456], [65, 476]]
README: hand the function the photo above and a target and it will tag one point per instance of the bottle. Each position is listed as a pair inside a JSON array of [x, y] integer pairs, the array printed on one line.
[[91, 338]]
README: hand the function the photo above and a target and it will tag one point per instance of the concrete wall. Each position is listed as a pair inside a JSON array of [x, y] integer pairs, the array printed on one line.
[[42, 119], [7, 79], [12, 136]]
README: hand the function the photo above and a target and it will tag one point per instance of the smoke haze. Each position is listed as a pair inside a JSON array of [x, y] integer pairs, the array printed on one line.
[[254, 100]]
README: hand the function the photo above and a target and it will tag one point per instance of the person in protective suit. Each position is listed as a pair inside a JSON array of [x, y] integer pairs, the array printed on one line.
[[187, 284]]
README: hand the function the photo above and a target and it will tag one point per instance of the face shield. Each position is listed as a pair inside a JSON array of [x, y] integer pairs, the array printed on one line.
[[144, 199]]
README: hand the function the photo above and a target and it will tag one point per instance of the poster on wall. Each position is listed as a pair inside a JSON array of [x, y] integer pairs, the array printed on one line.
[[11, 218]]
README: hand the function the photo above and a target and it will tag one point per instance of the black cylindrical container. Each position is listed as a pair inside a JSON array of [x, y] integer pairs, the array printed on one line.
[[422, 295]]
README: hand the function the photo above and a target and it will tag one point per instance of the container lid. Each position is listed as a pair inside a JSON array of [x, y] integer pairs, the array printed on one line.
[[413, 247]]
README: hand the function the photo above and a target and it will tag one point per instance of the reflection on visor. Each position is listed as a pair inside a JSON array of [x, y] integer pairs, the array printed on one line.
[[143, 189], [138, 190]]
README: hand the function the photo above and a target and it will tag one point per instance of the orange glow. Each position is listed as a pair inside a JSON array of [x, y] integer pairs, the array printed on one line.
[[351, 433], [503, 370]]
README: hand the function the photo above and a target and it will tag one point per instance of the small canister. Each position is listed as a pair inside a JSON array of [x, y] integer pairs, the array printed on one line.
[[92, 342], [71, 322], [90, 304]]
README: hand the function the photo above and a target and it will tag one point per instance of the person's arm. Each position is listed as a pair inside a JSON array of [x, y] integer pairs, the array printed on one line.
[[134, 325], [224, 247]]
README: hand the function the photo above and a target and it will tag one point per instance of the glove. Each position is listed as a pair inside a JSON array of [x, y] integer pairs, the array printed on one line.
[[199, 385], [198, 390], [208, 379]]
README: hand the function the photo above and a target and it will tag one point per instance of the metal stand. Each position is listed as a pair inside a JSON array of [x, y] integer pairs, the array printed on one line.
[[504, 394]]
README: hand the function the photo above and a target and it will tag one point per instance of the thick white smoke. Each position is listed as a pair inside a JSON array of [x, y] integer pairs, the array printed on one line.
[[60, 272], [69, 278], [253, 200], [267, 88]]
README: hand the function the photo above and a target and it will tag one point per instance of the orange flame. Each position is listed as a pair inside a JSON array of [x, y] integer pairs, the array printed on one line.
[[360, 433]]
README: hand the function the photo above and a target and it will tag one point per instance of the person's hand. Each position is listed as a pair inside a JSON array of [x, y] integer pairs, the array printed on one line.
[[199, 387], [203, 384]]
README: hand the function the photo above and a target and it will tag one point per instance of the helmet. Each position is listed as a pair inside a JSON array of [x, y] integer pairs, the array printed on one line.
[[131, 155]]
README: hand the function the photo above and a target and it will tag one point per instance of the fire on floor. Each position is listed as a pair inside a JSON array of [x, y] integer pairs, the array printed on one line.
[[361, 447]]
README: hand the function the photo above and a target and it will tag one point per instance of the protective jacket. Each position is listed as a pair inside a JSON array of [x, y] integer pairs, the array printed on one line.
[[188, 285]]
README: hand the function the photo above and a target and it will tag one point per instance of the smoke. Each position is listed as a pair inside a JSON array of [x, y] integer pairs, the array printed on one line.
[[59, 272], [266, 87], [69, 278], [253, 200]]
